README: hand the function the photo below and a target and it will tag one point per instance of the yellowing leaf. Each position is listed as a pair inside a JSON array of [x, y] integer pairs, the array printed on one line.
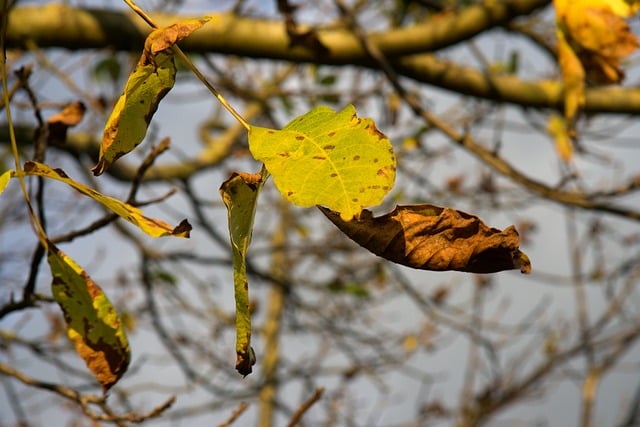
[[240, 194], [572, 77], [4, 180], [557, 128], [599, 35], [93, 324], [153, 227], [429, 237], [150, 81], [325, 158], [128, 122]]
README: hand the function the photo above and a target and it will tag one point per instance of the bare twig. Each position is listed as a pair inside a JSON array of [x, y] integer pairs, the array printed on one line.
[[297, 416], [235, 414]]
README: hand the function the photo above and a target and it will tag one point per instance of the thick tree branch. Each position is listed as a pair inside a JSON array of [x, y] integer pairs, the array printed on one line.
[[233, 34], [405, 47]]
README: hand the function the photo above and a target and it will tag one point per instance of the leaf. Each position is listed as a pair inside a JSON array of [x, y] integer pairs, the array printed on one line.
[[599, 34], [163, 39], [153, 227], [240, 194], [325, 158], [4, 180], [557, 128], [93, 325], [149, 82], [573, 78], [434, 238], [58, 124]]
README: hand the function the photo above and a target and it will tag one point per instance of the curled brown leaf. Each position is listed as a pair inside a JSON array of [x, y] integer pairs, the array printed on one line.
[[430, 237]]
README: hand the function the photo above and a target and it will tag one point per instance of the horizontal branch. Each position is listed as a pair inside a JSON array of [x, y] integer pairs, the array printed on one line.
[[406, 48], [252, 37]]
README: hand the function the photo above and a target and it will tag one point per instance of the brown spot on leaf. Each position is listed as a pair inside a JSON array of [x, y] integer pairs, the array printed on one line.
[[319, 157], [328, 147], [300, 138], [332, 133], [356, 157], [333, 175], [284, 154]]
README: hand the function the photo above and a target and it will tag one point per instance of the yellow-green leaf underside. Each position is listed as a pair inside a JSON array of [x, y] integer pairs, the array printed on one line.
[[326, 158], [240, 194]]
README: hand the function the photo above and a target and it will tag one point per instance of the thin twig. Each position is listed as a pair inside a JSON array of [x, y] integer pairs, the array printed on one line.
[[235, 414], [192, 67], [297, 416]]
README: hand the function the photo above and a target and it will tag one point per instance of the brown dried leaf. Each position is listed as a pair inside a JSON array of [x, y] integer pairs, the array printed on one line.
[[429, 237], [164, 38], [58, 124]]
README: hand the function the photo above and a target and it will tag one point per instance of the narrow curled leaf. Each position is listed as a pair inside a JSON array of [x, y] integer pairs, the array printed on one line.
[[93, 325], [152, 227], [326, 158], [240, 195], [573, 78], [149, 82], [429, 237]]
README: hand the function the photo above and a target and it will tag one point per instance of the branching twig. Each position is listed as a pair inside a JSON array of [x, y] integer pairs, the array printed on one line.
[[86, 401]]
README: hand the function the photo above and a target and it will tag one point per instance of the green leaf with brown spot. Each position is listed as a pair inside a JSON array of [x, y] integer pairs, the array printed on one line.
[[93, 325], [326, 158], [152, 78], [240, 195]]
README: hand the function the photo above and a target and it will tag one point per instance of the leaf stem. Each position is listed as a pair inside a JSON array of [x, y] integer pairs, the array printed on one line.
[[192, 67], [19, 173]]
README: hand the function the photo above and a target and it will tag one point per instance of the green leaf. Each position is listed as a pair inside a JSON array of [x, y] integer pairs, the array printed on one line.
[[325, 158], [150, 81], [240, 195], [128, 122], [93, 325], [153, 227]]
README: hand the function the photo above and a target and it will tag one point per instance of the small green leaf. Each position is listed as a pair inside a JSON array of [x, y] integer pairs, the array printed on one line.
[[93, 325], [107, 68], [240, 195], [325, 158]]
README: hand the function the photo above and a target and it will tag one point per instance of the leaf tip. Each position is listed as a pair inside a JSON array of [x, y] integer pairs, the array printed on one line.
[[521, 261], [183, 229]]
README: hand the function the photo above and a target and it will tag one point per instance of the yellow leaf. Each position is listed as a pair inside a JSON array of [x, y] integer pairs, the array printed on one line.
[[4, 180], [153, 227], [326, 158], [93, 325], [410, 343], [599, 34], [557, 128], [572, 77]]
